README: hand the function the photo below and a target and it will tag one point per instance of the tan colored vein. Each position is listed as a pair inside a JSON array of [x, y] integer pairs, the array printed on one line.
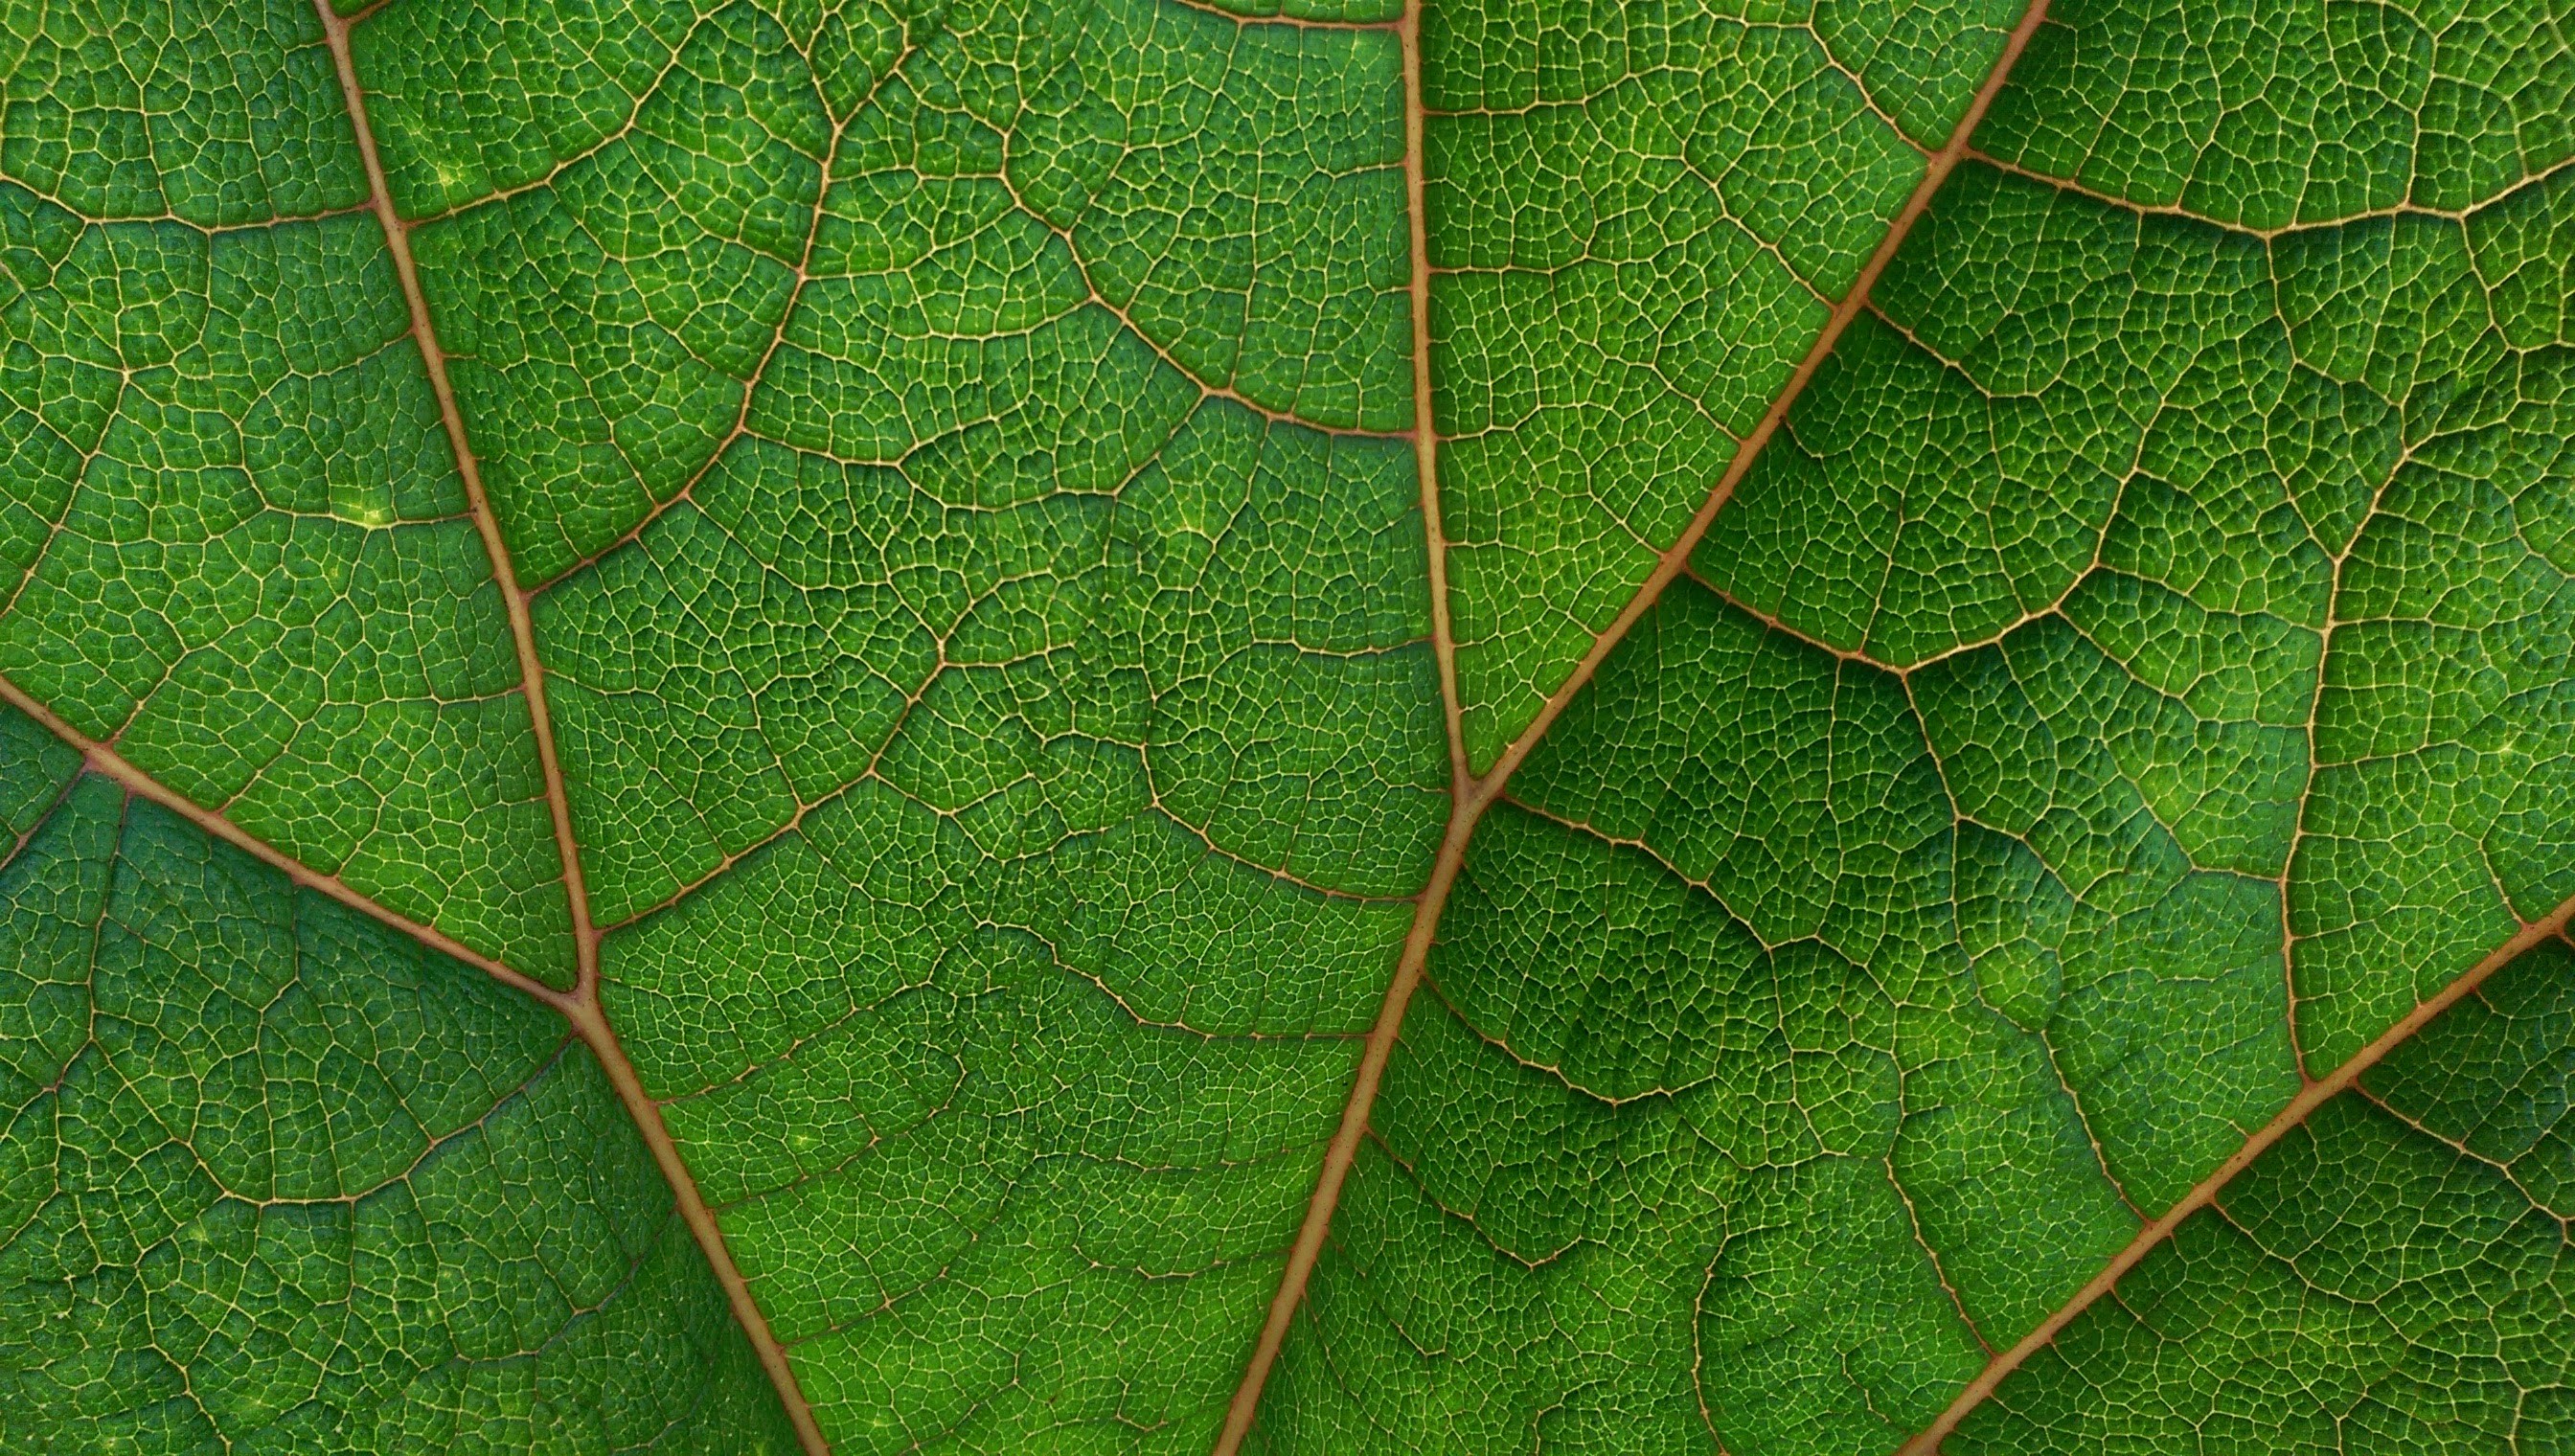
[[1473, 795], [532, 675], [1304, 22], [1675, 559], [582, 1005], [1425, 436], [2311, 1096], [104, 760], [1465, 803]]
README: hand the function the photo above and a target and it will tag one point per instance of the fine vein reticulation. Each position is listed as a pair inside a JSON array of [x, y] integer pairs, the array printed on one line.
[[582, 1006], [1900, 620], [1474, 792], [1137, 724]]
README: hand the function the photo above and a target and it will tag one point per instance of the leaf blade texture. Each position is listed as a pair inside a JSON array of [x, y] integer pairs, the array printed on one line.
[[280, 1176], [1849, 852]]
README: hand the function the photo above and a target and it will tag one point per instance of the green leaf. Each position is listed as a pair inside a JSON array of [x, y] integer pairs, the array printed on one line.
[[2392, 1275], [2136, 678], [1641, 217], [278, 1177], [1140, 725]]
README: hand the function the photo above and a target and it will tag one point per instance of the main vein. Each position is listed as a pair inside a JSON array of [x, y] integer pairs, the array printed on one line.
[[582, 1005], [1472, 795]]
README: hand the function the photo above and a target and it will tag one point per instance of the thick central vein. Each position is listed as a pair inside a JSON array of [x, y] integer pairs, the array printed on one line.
[[582, 1006], [521, 629], [1473, 795]]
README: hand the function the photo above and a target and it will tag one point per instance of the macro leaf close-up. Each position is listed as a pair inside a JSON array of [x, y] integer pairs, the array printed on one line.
[[1281, 727]]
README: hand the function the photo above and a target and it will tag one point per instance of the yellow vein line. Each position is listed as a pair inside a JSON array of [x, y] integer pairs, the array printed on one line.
[[2311, 1096], [1301, 22], [582, 1006], [1473, 795]]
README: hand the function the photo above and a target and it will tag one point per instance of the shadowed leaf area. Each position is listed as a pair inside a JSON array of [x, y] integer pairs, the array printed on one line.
[[2005, 671], [276, 1178]]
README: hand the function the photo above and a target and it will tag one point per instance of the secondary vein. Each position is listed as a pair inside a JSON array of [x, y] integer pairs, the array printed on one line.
[[582, 1006], [103, 759], [2312, 1095], [1472, 795]]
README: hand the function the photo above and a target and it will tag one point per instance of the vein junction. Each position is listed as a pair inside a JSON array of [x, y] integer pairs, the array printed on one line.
[[2037, 775], [965, 464]]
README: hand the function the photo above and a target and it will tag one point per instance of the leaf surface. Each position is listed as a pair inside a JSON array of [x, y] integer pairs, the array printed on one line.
[[1139, 724], [278, 1177], [2135, 679], [2392, 1275]]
